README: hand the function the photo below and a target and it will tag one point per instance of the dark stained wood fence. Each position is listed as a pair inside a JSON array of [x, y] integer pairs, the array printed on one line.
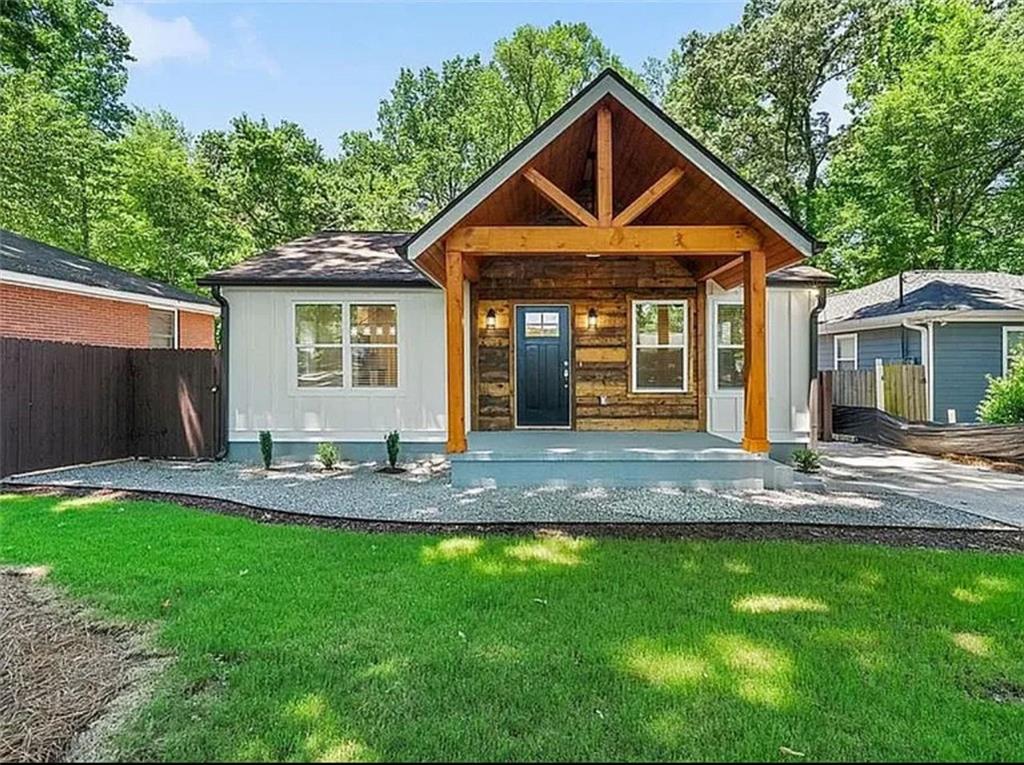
[[64, 404]]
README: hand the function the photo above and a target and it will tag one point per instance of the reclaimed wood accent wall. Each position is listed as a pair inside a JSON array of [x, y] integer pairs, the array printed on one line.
[[601, 357]]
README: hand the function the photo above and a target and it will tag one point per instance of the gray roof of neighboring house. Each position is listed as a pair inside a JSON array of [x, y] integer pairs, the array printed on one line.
[[328, 258], [27, 256], [951, 291], [371, 259]]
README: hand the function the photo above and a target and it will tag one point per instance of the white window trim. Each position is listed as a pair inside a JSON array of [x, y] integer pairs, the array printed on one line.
[[174, 326], [835, 350], [346, 389], [1007, 329], [715, 345], [633, 388]]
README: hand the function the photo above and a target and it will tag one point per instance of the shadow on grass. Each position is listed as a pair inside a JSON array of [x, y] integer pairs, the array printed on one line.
[[299, 643]]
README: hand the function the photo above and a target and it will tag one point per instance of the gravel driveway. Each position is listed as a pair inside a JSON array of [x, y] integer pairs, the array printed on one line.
[[424, 494]]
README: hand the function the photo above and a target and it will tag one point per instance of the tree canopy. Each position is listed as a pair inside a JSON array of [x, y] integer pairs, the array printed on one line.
[[925, 168]]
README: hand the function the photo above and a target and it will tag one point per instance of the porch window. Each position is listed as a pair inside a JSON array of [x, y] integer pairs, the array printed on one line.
[[660, 335], [162, 325], [374, 345], [729, 345], [318, 345], [1013, 346], [845, 347]]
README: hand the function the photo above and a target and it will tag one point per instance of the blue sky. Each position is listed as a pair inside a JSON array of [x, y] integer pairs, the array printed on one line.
[[326, 64]]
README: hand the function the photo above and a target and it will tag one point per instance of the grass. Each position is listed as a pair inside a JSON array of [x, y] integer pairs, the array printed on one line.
[[296, 643]]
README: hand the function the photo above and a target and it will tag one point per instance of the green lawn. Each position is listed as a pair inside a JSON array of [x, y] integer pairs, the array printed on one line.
[[298, 643]]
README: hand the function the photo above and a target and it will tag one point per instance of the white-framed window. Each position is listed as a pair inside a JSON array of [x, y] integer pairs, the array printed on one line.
[[163, 328], [660, 346], [1013, 345], [373, 333], [728, 351], [319, 345], [346, 345], [845, 348]]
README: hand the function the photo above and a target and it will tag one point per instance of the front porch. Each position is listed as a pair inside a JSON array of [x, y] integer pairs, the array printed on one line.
[[613, 460]]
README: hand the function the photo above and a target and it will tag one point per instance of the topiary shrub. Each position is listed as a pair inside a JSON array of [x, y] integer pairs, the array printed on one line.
[[806, 460], [393, 442], [327, 454], [1004, 399], [267, 448]]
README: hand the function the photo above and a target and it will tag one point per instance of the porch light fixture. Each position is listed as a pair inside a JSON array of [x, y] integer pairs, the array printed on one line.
[[592, 318], [492, 318]]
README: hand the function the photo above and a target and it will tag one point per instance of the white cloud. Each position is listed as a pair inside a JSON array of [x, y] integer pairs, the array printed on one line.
[[249, 52], [155, 39]]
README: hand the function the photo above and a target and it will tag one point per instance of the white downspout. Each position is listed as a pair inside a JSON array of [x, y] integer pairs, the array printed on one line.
[[928, 358]]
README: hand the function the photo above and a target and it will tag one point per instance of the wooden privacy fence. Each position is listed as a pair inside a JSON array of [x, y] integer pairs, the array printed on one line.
[[64, 404], [899, 389], [1001, 442]]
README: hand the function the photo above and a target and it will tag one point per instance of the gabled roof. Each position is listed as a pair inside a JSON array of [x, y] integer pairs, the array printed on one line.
[[29, 258], [328, 258], [928, 292], [610, 84]]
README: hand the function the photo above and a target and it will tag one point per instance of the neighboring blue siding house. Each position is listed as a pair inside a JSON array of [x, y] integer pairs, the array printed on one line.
[[961, 325]]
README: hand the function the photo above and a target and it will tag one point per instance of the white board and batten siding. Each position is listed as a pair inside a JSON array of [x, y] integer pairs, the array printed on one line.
[[262, 390], [788, 329]]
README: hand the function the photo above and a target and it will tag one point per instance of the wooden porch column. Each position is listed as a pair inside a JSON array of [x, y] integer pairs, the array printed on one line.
[[456, 350], [755, 387]]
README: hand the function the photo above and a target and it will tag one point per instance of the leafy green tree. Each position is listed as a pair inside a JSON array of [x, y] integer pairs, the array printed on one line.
[[163, 218], [930, 173], [271, 181], [752, 91]]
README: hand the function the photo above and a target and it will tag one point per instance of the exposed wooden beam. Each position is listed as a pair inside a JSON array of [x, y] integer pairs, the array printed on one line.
[[720, 269], [471, 268], [605, 210], [755, 355], [559, 198], [582, 240], [657, 190], [455, 341]]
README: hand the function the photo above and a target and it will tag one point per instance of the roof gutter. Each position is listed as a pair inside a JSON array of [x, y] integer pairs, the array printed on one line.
[[225, 335], [815, 313]]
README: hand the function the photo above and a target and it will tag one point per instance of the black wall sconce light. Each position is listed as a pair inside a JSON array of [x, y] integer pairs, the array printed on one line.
[[592, 318], [492, 318]]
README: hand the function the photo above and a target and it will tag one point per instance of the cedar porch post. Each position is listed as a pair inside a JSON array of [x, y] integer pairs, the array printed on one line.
[[755, 385], [456, 342]]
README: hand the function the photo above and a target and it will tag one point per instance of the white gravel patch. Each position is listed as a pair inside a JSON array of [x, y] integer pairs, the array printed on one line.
[[424, 494]]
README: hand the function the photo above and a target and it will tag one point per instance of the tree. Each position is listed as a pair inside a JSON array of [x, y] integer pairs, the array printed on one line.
[[1003, 403], [930, 173], [164, 219], [752, 91], [271, 181]]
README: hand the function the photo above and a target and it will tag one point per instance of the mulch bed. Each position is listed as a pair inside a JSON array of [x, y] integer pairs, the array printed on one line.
[[60, 670], [1011, 541]]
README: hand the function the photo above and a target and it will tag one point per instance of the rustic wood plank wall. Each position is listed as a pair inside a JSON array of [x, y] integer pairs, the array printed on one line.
[[601, 357]]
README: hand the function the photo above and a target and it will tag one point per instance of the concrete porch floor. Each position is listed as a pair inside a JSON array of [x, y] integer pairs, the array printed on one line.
[[614, 459]]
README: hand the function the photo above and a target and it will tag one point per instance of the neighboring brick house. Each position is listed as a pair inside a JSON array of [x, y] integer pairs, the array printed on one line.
[[50, 294]]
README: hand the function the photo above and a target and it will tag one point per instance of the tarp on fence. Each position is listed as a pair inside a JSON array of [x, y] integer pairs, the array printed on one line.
[[1000, 442]]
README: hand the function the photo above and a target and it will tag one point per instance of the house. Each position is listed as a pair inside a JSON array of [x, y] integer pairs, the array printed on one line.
[[608, 304], [961, 325], [50, 294]]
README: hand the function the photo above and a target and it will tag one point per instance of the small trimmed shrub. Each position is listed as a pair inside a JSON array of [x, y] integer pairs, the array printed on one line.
[[1004, 399], [327, 453], [393, 443], [806, 460], [267, 448]]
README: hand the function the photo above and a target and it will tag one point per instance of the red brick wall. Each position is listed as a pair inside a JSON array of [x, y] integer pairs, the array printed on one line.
[[48, 315], [195, 330]]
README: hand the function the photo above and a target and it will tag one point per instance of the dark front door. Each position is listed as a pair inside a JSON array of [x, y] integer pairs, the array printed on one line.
[[542, 366]]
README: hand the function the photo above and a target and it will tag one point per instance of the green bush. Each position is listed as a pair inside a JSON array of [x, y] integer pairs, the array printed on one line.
[[806, 460], [267, 448], [393, 443], [327, 454], [1004, 399]]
